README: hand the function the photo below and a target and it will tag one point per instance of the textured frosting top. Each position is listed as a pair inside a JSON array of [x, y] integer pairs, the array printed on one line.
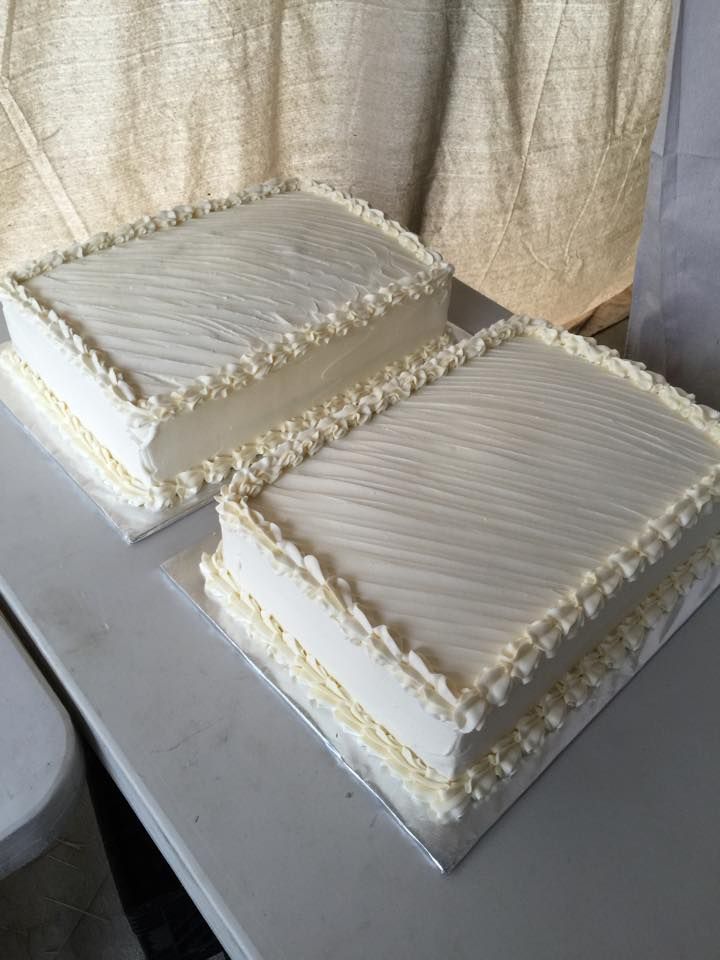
[[465, 512], [178, 304]]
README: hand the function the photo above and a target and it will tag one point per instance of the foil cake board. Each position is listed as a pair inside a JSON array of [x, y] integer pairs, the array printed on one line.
[[133, 523], [445, 843]]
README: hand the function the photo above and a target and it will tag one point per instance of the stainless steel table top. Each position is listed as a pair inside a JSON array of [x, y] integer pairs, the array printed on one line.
[[614, 852]]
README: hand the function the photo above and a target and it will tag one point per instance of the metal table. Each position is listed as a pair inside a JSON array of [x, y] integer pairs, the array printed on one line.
[[614, 852]]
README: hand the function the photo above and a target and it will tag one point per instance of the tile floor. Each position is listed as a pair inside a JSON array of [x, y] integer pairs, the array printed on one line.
[[64, 905]]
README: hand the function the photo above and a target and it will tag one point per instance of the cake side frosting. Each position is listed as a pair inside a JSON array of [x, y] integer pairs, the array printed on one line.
[[449, 796], [262, 358], [467, 705], [157, 495]]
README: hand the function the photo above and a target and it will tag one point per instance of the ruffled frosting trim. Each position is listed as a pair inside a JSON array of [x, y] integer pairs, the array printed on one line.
[[434, 273], [468, 707], [160, 495], [449, 798]]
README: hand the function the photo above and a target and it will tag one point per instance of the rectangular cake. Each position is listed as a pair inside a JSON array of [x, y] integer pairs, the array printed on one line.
[[168, 347], [460, 555]]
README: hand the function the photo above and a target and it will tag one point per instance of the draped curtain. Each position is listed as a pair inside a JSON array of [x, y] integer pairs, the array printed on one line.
[[675, 323], [514, 136]]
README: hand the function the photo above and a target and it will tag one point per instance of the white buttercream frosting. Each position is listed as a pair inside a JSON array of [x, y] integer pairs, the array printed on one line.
[[449, 797], [478, 523], [158, 495], [138, 331], [165, 317]]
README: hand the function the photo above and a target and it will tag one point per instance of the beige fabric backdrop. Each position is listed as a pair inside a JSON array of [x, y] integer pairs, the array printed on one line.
[[513, 135]]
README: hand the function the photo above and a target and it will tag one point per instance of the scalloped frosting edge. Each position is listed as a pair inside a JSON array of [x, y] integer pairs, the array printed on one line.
[[161, 495], [257, 364], [448, 798], [468, 707]]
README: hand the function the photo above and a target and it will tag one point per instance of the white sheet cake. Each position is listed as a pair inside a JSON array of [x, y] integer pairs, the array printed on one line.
[[453, 575], [169, 347]]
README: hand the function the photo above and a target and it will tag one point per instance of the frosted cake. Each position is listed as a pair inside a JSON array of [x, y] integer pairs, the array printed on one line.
[[457, 573], [168, 347]]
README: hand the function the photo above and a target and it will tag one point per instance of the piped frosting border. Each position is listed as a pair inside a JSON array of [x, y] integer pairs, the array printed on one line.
[[449, 798], [434, 273], [468, 707], [159, 495]]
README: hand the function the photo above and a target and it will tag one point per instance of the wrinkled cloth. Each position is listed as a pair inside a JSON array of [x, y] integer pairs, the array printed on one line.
[[514, 136], [675, 317]]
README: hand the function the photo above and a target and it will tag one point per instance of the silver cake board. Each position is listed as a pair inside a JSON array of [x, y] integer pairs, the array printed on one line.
[[445, 843], [133, 523]]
